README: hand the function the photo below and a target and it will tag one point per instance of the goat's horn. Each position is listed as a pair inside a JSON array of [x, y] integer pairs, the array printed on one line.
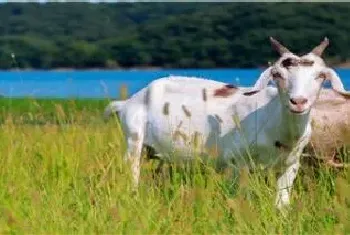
[[278, 46], [318, 50]]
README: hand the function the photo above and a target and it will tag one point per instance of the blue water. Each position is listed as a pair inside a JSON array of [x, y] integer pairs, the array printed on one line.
[[106, 84]]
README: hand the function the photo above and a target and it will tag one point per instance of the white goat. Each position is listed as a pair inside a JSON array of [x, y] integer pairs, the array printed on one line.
[[330, 124], [180, 116], [330, 115]]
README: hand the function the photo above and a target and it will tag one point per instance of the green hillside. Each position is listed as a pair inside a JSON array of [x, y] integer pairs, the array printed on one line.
[[176, 35]]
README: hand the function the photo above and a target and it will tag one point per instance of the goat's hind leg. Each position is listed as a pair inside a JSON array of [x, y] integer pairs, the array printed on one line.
[[133, 155], [134, 129]]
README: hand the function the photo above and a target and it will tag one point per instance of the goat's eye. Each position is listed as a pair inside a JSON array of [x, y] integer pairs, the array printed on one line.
[[276, 74], [321, 75]]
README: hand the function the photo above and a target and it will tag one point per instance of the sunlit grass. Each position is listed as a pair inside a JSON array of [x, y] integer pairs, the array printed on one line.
[[61, 171]]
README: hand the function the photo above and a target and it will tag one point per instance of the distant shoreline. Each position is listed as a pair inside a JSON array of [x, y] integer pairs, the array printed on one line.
[[85, 69], [345, 65]]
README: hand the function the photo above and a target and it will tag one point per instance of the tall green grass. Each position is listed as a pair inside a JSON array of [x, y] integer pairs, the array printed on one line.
[[61, 171]]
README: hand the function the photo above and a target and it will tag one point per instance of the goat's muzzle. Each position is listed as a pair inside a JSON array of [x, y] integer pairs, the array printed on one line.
[[298, 105]]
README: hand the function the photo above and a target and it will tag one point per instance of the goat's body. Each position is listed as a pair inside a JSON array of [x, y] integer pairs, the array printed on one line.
[[212, 122], [330, 117], [180, 117], [191, 115], [159, 112]]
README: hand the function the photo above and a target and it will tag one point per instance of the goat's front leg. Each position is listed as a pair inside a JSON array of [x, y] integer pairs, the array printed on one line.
[[285, 183]]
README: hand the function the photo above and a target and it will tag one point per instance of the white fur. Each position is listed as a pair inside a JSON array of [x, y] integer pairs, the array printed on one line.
[[262, 123], [170, 112]]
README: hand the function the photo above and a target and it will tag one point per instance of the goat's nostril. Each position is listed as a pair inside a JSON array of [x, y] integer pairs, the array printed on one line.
[[303, 101], [298, 101], [293, 101]]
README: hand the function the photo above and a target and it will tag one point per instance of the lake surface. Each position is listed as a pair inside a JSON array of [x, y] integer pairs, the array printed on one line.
[[106, 84]]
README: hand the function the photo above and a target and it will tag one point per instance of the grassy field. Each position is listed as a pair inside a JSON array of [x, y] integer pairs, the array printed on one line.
[[62, 172]]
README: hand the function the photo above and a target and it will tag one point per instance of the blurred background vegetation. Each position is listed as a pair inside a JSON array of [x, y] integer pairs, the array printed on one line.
[[168, 35]]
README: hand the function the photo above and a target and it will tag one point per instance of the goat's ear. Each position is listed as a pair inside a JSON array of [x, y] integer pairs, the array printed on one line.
[[336, 83], [263, 80]]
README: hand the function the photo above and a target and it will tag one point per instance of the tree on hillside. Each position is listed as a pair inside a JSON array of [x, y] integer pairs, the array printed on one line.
[[171, 35]]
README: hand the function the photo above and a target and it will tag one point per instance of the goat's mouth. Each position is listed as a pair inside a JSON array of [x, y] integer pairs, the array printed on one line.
[[298, 111]]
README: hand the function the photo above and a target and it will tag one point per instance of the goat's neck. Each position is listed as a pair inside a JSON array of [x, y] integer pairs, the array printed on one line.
[[294, 124]]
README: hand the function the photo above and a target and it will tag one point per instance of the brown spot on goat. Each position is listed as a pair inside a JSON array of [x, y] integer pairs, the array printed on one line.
[[204, 94], [166, 108], [225, 91], [230, 86], [289, 62], [186, 111], [134, 136], [249, 93]]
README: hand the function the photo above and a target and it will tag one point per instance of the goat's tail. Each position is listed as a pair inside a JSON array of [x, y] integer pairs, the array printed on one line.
[[113, 108]]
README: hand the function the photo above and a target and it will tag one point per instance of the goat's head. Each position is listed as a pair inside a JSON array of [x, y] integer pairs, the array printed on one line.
[[300, 78]]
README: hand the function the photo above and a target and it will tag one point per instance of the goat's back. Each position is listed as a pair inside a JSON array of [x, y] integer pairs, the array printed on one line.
[[330, 119]]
